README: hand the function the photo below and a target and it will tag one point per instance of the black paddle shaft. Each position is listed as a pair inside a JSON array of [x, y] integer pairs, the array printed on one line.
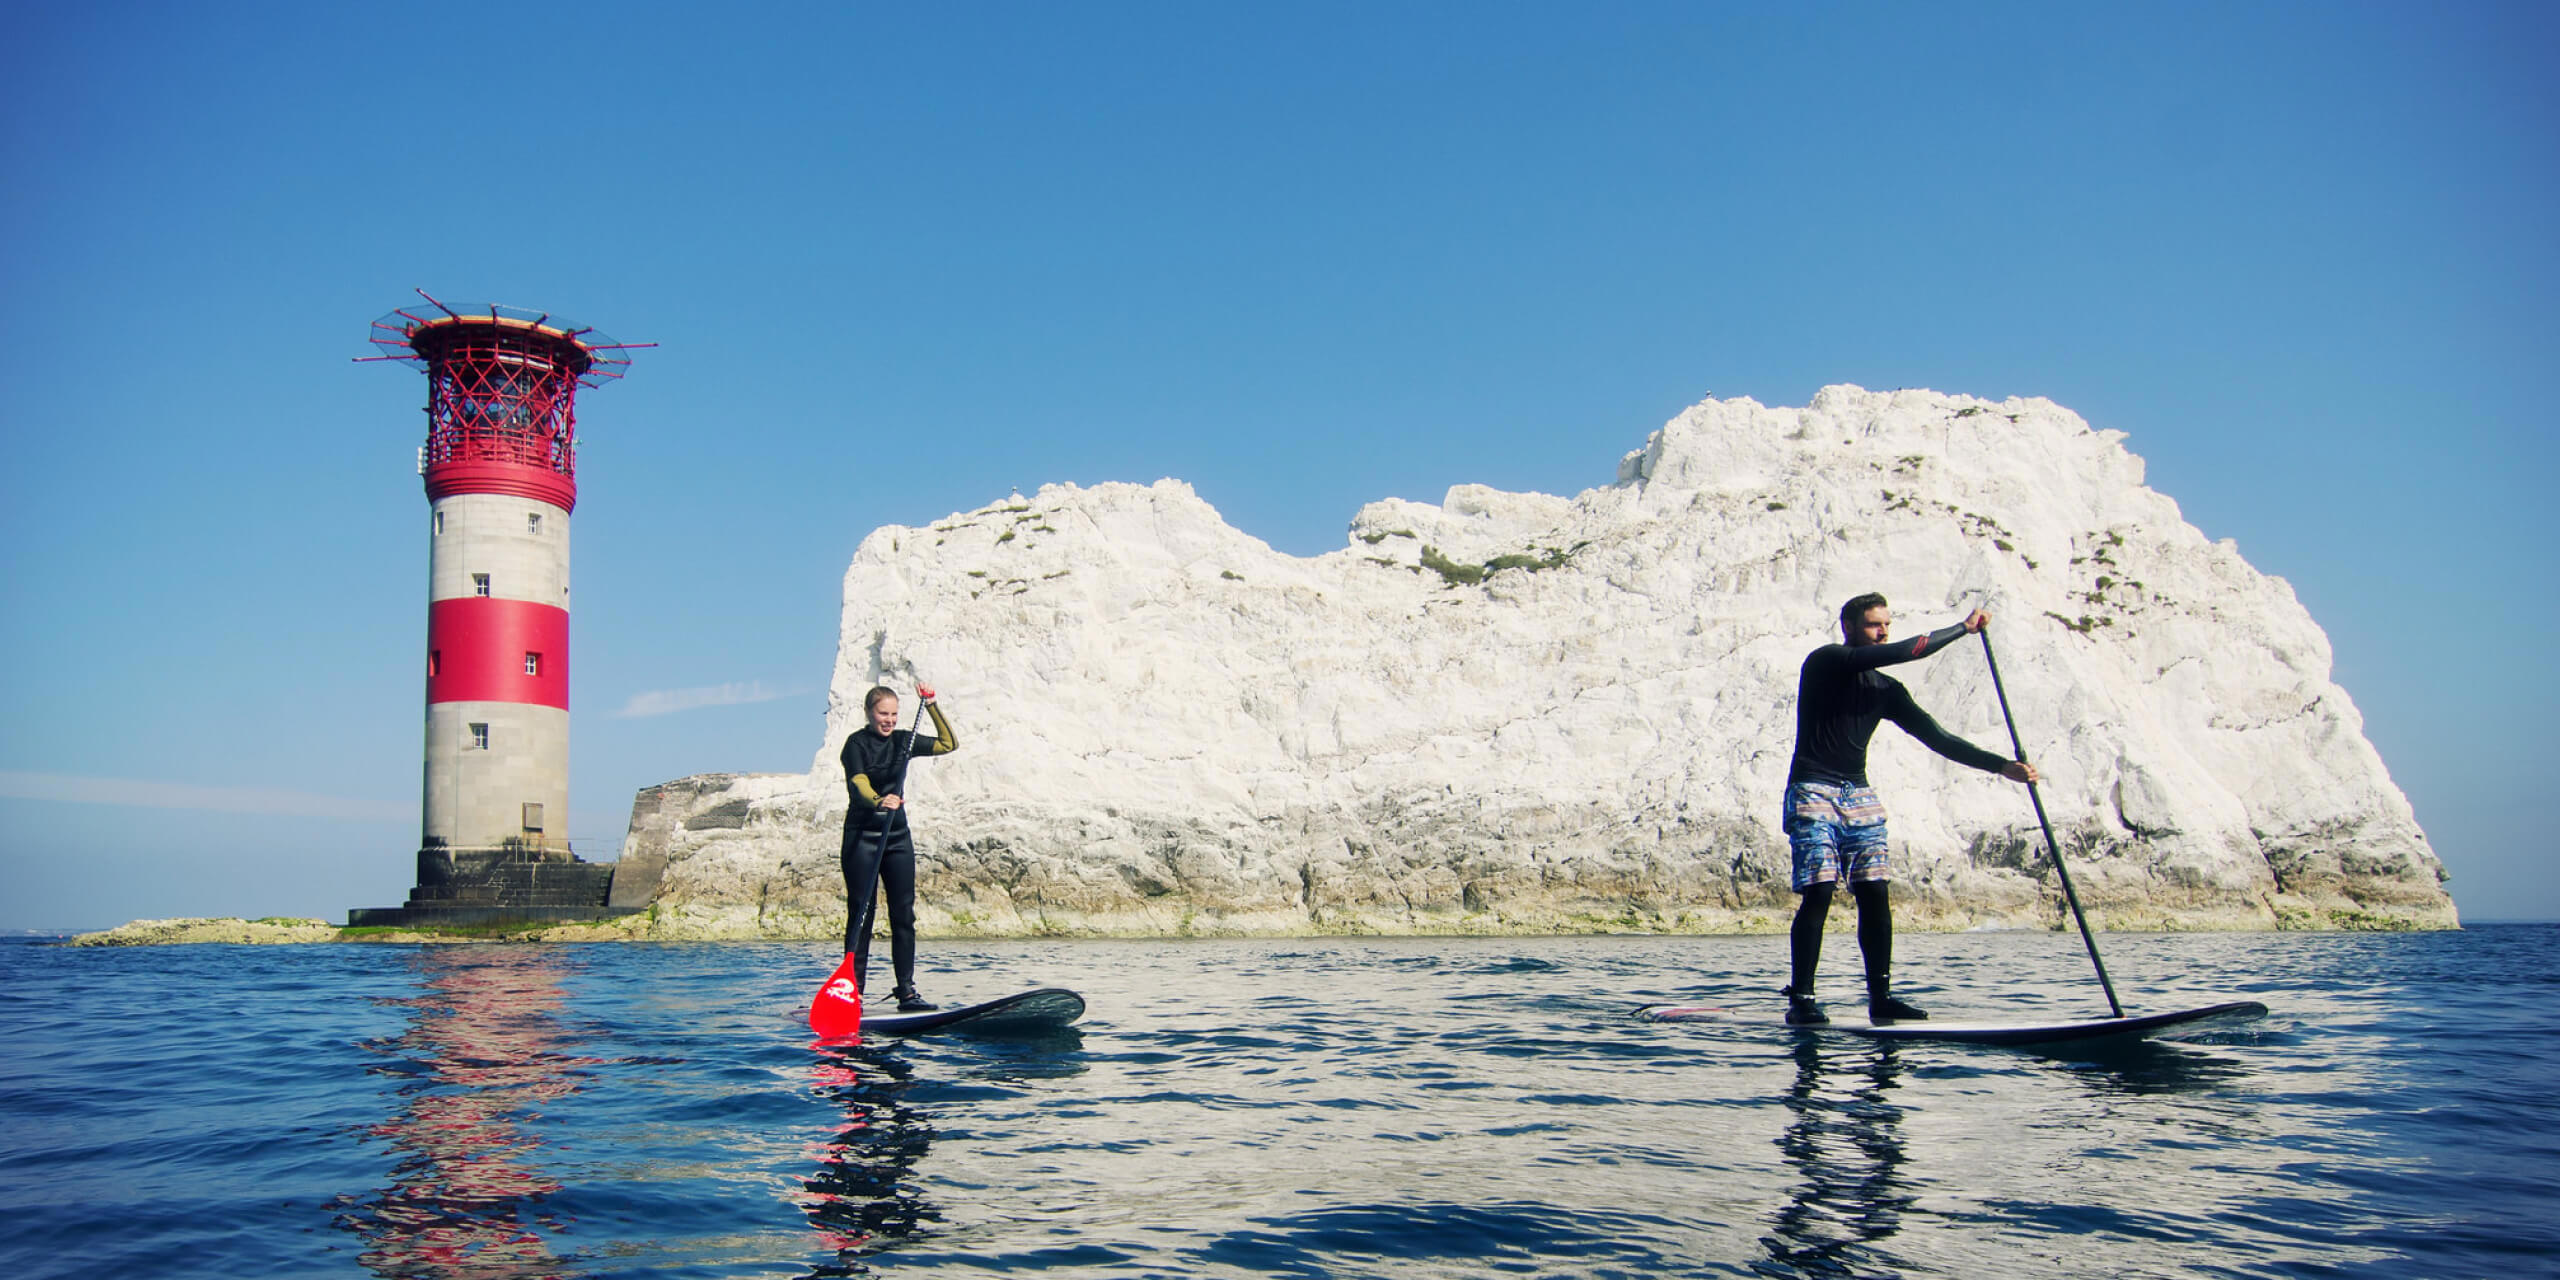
[[2051, 845], [871, 890]]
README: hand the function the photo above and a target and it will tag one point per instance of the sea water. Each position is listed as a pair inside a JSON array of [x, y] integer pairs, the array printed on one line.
[[1305, 1108]]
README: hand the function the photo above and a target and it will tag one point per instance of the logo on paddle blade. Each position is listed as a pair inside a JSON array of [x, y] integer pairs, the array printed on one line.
[[842, 989]]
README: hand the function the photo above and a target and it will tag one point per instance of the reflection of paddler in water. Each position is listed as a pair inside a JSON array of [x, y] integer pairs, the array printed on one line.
[[466, 1199], [879, 853], [1847, 1149], [861, 1198]]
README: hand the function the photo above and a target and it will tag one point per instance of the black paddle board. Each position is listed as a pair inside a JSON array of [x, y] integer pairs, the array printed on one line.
[[1999, 1033], [1033, 1012]]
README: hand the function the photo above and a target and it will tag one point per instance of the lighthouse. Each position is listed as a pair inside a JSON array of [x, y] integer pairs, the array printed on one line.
[[500, 468]]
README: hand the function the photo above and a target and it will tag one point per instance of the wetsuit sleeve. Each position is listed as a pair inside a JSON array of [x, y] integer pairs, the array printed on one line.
[[945, 741], [1868, 657], [1903, 711], [854, 777]]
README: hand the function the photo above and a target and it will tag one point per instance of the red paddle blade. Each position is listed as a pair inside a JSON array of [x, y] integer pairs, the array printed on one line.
[[836, 1011]]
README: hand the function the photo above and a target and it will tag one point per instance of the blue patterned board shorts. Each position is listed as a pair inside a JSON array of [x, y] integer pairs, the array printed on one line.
[[1837, 832]]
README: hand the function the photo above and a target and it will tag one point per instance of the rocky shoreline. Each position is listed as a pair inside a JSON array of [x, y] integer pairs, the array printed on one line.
[[289, 930], [180, 931]]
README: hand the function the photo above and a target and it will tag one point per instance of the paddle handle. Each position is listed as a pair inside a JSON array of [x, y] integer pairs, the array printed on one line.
[[2052, 846]]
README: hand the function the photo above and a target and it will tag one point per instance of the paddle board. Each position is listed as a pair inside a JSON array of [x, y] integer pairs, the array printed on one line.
[[1043, 1009], [2000, 1033]]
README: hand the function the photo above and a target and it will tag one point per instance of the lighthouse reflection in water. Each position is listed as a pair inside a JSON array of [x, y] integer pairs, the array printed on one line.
[[484, 1057], [523, 1147]]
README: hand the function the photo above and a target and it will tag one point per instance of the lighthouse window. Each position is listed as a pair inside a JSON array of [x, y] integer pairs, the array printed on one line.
[[533, 522], [533, 664], [479, 584], [479, 737], [439, 522], [435, 661]]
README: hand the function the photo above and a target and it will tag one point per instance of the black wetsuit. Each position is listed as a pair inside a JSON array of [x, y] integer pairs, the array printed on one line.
[[879, 851], [1840, 696]]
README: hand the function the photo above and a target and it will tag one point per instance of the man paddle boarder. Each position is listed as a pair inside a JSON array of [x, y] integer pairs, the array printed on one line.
[[1834, 822]]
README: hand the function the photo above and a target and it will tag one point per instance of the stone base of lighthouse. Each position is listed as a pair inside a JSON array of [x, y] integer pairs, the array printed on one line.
[[527, 885]]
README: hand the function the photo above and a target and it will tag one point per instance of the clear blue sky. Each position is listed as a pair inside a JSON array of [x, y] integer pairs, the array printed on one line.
[[904, 258]]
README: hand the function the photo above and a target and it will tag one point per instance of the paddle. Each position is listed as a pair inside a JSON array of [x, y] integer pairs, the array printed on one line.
[[836, 1011], [2051, 846]]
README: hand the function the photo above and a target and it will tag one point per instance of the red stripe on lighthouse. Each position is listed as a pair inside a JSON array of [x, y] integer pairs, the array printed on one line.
[[477, 647], [444, 479]]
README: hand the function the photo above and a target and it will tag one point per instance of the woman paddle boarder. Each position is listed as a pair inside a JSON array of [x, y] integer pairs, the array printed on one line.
[[879, 848], [1834, 822]]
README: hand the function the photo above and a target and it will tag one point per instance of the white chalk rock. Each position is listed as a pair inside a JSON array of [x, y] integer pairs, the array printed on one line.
[[1524, 713]]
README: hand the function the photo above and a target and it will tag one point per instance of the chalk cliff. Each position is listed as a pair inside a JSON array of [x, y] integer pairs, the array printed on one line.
[[1514, 712]]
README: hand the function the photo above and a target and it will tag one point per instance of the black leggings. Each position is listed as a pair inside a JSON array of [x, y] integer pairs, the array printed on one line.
[[880, 856], [1875, 934]]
